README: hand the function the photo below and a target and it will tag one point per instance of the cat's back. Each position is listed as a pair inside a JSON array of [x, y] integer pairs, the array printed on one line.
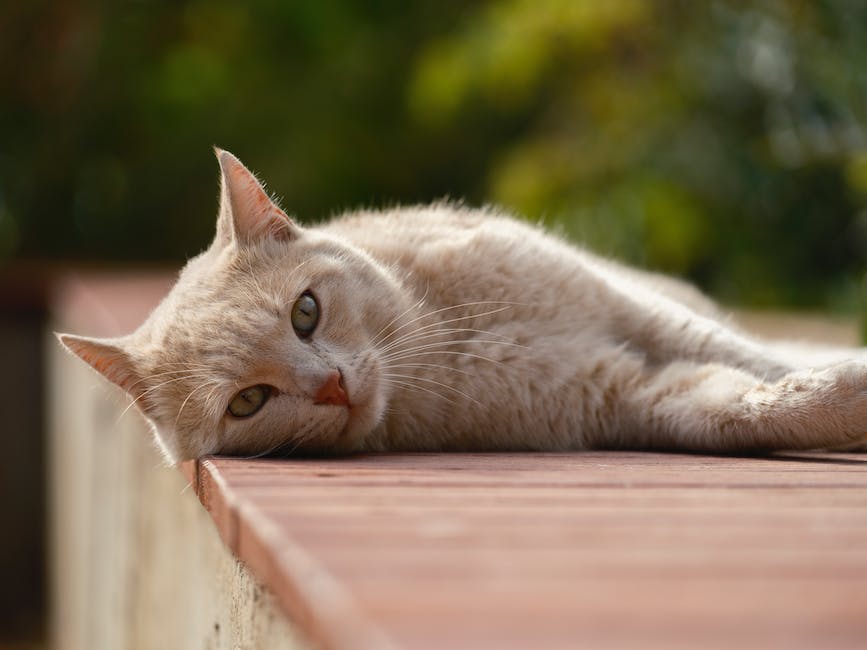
[[490, 253], [451, 236], [409, 227]]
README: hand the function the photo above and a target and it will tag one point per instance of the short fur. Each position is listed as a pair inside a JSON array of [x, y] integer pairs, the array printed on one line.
[[457, 329]]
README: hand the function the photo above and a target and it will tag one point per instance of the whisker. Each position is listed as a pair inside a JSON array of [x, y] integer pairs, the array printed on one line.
[[409, 386], [453, 307], [277, 448], [395, 411], [436, 323], [415, 305], [188, 373], [432, 346], [433, 381], [269, 451], [211, 382], [186, 365], [420, 335], [210, 396], [144, 393], [457, 319], [450, 352], [426, 365], [300, 440]]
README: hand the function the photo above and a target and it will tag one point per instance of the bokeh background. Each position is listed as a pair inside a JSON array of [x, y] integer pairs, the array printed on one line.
[[722, 141]]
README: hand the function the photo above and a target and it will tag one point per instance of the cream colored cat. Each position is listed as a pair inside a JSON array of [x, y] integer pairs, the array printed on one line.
[[445, 328]]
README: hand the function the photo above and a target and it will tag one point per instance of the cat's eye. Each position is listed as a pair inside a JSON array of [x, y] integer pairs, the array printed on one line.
[[249, 401], [305, 315]]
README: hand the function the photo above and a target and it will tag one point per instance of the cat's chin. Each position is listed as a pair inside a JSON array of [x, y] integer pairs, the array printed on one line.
[[366, 410], [348, 434], [344, 430], [362, 419]]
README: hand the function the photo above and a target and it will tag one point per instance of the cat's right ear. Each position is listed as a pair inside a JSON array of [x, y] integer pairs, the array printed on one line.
[[247, 214], [108, 358]]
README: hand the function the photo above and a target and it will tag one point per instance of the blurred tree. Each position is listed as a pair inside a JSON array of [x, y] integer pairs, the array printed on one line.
[[109, 110], [724, 141]]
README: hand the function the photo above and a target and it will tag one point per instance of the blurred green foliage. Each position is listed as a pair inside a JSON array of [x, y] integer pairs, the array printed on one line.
[[724, 141]]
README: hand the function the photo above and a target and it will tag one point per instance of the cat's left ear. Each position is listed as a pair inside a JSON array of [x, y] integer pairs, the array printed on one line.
[[247, 214], [109, 358]]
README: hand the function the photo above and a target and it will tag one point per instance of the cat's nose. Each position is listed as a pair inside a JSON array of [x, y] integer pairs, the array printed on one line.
[[332, 391]]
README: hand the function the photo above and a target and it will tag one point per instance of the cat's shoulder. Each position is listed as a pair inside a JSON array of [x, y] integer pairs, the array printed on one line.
[[444, 213], [432, 221]]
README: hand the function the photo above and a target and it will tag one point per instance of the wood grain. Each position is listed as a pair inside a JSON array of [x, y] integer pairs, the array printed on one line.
[[555, 550], [533, 551]]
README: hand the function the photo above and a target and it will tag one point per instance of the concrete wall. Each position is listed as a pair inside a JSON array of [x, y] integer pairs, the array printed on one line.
[[136, 562]]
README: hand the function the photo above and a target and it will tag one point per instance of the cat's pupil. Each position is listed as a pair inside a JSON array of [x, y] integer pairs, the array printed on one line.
[[249, 401], [305, 315]]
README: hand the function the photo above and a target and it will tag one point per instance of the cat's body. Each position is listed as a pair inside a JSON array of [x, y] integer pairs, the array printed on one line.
[[445, 328]]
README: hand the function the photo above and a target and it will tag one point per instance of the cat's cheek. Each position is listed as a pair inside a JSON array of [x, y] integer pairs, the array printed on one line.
[[353, 434], [177, 446], [165, 444], [361, 378], [363, 419]]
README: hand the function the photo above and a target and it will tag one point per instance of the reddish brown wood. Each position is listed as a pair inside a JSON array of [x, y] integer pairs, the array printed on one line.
[[555, 550], [535, 551]]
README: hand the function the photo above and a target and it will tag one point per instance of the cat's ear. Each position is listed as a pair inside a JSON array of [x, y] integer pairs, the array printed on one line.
[[247, 214], [109, 358]]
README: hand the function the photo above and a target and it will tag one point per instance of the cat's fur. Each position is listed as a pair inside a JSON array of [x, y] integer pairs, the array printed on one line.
[[456, 329]]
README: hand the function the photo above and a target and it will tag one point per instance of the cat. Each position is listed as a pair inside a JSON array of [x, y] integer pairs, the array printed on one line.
[[440, 327]]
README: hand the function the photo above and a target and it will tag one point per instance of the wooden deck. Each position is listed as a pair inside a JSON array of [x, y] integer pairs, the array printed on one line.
[[596, 550], [537, 551]]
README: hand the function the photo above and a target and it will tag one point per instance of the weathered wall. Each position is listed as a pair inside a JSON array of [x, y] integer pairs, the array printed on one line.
[[136, 562]]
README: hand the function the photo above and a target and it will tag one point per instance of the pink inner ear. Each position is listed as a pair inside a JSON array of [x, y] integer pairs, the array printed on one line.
[[271, 220], [254, 214], [109, 360]]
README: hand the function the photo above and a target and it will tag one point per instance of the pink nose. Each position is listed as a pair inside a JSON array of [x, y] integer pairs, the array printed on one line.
[[332, 391]]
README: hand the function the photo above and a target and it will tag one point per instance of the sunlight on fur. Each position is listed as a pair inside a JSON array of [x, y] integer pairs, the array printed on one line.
[[442, 327]]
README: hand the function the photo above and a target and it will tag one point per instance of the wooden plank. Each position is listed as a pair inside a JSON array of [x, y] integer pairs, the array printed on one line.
[[514, 551], [555, 550]]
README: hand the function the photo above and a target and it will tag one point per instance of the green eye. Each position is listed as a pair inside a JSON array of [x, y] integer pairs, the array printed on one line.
[[249, 401], [305, 315]]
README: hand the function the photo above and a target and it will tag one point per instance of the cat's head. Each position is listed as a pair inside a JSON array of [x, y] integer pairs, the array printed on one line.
[[265, 341]]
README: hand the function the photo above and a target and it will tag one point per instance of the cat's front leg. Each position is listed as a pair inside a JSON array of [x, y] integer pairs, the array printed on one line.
[[665, 330], [710, 407]]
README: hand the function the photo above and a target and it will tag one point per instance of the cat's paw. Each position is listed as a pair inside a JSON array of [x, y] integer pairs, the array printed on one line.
[[832, 401], [844, 378]]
